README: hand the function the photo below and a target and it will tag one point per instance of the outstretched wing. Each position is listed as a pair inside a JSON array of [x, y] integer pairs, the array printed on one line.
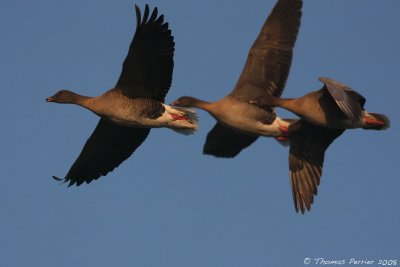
[[147, 69], [270, 57], [223, 142], [107, 147], [348, 100], [308, 143]]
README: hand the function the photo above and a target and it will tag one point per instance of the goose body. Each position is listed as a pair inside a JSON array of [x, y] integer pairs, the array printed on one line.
[[134, 106], [140, 112], [265, 72], [247, 119]]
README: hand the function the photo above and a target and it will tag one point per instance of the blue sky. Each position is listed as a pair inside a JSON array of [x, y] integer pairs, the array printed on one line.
[[169, 205]]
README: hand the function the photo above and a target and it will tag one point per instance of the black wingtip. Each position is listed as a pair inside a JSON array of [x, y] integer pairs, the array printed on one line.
[[61, 180], [57, 179], [71, 183], [154, 15], [160, 19], [138, 16], [146, 14], [302, 207]]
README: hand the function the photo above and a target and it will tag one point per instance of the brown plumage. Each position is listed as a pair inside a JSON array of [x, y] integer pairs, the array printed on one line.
[[308, 144], [135, 105], [325, 114], [270, 57], [334, 106], [265, 72]]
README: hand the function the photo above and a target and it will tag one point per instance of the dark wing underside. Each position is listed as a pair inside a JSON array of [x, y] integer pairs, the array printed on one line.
[[268, 62], [147, 69], [225, 143], [348, 100], [308, 143], [107, 147]]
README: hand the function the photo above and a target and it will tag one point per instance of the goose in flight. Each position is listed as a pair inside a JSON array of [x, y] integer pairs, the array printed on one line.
[[135, 105], [239, 123], [325, 114]]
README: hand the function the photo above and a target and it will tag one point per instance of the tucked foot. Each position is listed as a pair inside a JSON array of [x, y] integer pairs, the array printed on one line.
[[282, 138], [284, 130], [178, 117]]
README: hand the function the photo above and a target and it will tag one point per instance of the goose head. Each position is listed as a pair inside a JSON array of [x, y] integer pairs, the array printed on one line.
[[185, 101], [63, 97], [191, 102]]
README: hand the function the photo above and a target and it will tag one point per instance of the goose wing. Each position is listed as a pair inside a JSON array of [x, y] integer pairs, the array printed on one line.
[[147, 69], [107, 147], [308, 143], [268, 62], [225, 143], [349, 101]]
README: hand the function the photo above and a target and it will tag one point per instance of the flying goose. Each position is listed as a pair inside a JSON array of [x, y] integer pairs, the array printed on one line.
[[134, 106], [239, 123], [325, 114]]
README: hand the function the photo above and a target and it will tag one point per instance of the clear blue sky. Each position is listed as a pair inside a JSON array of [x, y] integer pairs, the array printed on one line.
[[169, 205]]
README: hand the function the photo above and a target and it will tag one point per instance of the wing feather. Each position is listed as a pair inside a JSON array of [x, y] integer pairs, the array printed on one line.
[[269, 59], [107, 147], [308, 144], [348, 100], [148, 67]]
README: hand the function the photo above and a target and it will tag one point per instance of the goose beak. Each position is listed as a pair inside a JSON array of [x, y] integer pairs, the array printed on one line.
[[50, 99]]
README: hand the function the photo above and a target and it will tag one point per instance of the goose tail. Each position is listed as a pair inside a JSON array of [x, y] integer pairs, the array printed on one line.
[[185, 120], [376, 121]]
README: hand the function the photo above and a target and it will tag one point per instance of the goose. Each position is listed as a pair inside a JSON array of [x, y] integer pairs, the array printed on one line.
[[239, 123], [324, 115], [135, 105], [334, 106]]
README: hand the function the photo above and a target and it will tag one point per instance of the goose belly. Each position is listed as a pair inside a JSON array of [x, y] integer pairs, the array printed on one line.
[[252, 125], [121, 110], [133, 122], [131, 119], [168, 118]]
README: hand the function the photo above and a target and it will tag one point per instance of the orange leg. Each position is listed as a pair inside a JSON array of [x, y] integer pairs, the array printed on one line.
[[282, 138], [284, 133], [178, 117]]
